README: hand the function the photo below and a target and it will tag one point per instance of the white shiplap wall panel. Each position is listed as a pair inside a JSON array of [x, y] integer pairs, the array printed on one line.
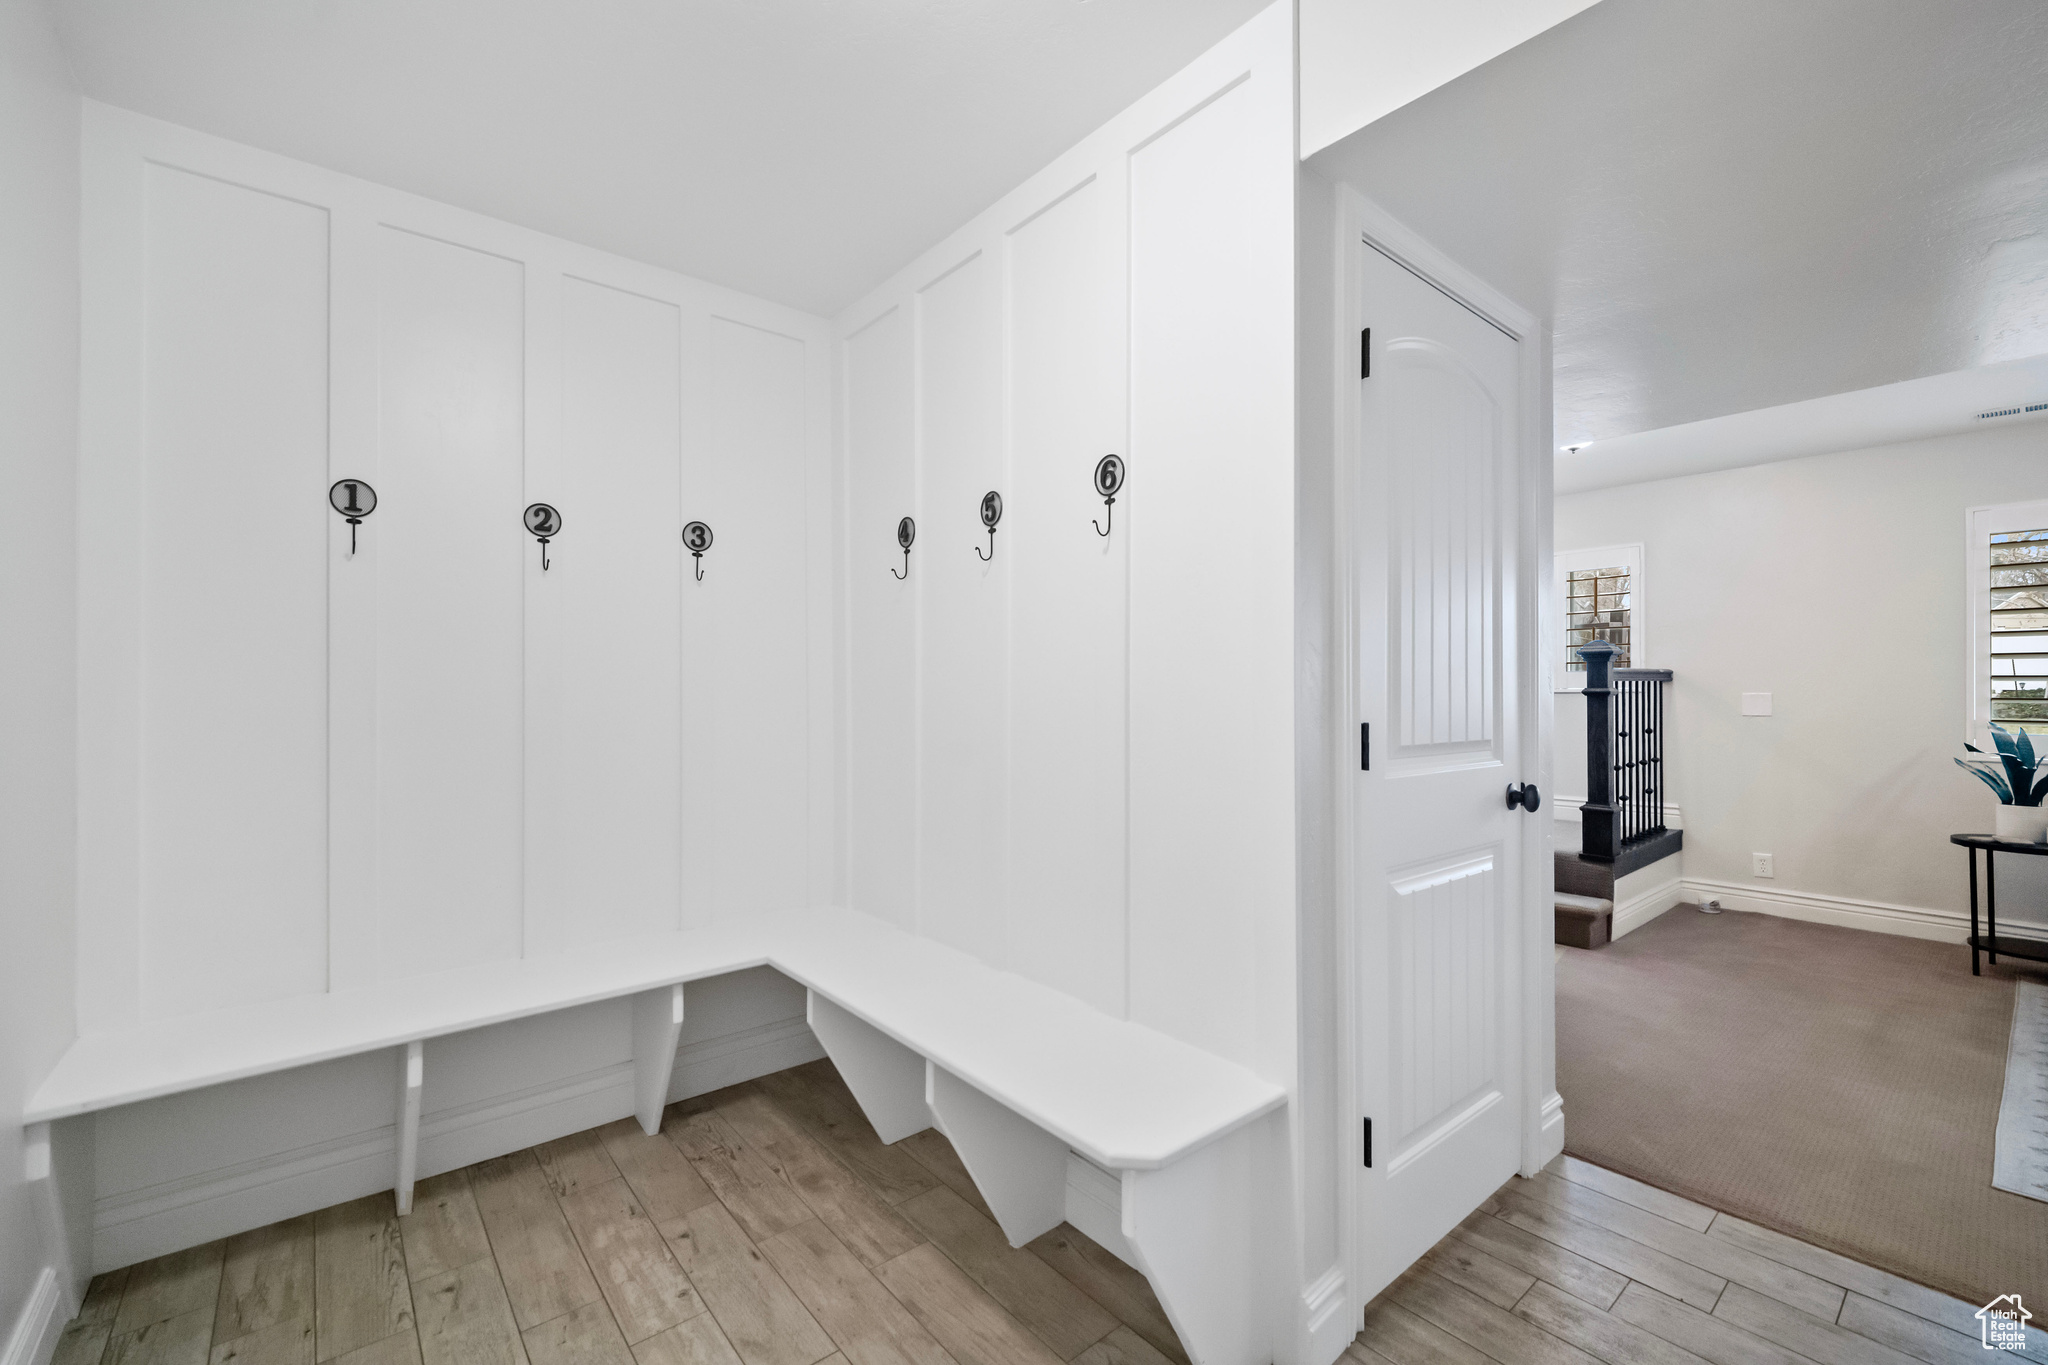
[[1069, 601], [449, 608], [882, 636], [603, 787], [963, 746], [234, 583], [1103, 797]]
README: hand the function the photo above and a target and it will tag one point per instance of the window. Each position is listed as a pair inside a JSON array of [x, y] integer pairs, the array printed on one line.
[[1602, 591], [2009, 619]]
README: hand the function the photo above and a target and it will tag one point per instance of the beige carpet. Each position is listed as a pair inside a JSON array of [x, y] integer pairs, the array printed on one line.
[[1839, 1086]]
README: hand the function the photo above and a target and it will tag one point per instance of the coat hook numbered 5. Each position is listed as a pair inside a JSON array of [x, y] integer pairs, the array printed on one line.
[[906, 532], [545, 523], [1109, 477], [991, 513], [697, 536], [355, 500]]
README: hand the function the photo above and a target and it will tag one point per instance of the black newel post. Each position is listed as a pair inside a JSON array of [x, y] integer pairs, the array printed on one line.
[[1601, 838]]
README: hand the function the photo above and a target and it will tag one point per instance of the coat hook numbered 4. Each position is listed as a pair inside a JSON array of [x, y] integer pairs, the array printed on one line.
[[697, 536], [545, 523], [1109, 478], [906, 532], [991, 513], [355, 500]]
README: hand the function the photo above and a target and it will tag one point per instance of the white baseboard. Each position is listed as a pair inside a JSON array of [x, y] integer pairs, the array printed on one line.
[[39, 1325], [1327, 1322], [1910, 921], [1568, 810], [141, 1224], [1645, 905], [1550, 1132]]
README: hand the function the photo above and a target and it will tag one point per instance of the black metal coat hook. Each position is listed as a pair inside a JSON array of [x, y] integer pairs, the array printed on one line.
[[698, 537], [906, 531], [545, 523], [1109, 477], [991, 513], [355, 500]]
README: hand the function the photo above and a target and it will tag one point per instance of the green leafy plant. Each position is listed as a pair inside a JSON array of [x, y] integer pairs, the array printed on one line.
[[2017, 784]]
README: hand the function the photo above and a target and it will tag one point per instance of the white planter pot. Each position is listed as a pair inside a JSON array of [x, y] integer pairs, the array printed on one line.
[[2023, 824]]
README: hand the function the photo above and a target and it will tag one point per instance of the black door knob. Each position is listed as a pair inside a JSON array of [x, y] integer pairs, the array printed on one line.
[[1527, 797]]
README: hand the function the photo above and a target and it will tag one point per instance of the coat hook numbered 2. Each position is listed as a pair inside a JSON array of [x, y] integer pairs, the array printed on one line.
[[697, 536], [1109, 478], [545, 523], [991, 513], [355, 500], [906, 532]]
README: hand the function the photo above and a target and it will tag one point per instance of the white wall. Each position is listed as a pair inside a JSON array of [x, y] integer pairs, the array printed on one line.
[[304, 769], [1836, 583], [39, 120]]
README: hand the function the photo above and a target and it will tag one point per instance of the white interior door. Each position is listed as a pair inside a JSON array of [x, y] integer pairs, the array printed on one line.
[[1437, 878]]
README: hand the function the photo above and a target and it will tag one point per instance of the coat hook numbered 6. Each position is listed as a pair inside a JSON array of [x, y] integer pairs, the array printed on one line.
[[697, 536], [991, 513], [1109, 477], [545, 523], [906, 532], [355, 500]]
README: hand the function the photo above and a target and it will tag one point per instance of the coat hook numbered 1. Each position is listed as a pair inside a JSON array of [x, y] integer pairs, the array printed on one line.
[[545, 523], [697, 536], [355, 500], [991, 513], [906, 532], [1109, 477]]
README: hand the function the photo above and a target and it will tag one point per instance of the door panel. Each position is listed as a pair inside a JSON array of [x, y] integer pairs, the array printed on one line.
[[1439, 851]]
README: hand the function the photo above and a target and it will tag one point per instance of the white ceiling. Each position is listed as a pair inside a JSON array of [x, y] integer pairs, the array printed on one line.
[[1739, 204], [799, 150]]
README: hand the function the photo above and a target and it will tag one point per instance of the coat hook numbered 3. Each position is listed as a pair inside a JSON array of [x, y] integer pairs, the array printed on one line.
[[545, 523], [1109, 478], [906, 532], [991, 513], [355, 500], [697, 536]]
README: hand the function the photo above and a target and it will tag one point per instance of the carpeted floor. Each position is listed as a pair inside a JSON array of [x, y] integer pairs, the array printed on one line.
[[1839, 1086]]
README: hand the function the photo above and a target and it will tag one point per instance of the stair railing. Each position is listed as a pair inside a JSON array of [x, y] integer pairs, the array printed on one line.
[[1624, 753]]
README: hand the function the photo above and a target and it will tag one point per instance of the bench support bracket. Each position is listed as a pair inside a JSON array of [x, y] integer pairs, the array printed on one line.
[[657, 1025], [1020, 1169], [885, 1076], [410, 1084], [1197, 1229]]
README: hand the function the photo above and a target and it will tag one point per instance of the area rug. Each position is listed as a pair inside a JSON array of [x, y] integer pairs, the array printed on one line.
[[2022, 1162], [1839, 1086]]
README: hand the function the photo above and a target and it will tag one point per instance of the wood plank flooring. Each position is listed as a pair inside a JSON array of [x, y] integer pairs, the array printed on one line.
[[765, 1225], [1582, 1265]]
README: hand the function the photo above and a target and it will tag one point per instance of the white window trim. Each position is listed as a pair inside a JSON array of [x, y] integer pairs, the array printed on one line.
[[1982, 523], [1601, 557]]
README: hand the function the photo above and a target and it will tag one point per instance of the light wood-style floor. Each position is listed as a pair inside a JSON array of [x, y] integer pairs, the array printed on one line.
[[1581, 1264], [765, 1225]]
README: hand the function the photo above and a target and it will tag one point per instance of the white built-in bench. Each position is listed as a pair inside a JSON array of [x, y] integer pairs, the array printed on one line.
[[1014, 1073]]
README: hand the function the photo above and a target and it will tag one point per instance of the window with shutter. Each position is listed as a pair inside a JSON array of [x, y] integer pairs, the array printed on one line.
[[2018, 633], [1597, 607]]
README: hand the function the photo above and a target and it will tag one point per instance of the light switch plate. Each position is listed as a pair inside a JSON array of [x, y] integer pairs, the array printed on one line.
[[1756, 703]]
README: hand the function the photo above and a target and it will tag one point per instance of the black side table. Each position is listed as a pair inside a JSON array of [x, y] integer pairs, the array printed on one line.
[[1989, 942]]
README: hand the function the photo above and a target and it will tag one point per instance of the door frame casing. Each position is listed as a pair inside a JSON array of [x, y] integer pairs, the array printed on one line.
[[1363, 226]]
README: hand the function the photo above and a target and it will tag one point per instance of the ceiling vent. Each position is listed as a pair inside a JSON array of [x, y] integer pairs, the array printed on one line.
[[2012, 412]]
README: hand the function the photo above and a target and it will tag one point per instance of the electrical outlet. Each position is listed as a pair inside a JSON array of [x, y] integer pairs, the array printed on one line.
[[1760, 865]]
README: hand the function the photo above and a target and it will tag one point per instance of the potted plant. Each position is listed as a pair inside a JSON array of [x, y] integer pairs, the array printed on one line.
[[2020, 785]]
